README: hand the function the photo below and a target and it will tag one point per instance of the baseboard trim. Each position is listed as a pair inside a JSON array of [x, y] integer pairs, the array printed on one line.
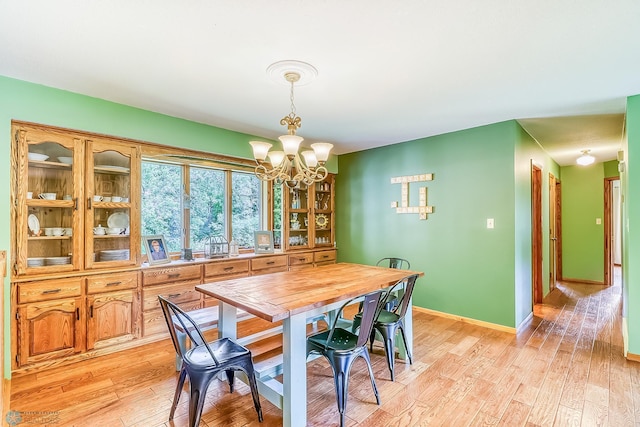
[[584, 282], [482, 323], [633, 357]]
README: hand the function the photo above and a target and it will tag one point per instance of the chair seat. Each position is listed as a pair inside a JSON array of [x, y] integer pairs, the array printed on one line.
[[223, 349], [387, 317], [341, 340]]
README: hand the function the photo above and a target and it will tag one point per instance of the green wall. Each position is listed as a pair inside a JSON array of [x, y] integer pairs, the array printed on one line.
[[470, 270], [630, 187], [582, 238]]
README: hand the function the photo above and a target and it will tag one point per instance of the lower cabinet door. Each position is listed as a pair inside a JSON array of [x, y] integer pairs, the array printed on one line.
[[111, 318], [50, 330]]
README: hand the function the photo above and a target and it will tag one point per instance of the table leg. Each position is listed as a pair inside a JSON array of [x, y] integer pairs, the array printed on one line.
[[294, 375], [227, 321]]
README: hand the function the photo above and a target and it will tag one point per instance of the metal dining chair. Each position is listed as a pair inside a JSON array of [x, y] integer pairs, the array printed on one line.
[[204, 361], [399, 263], [342, 347], [390, 320]]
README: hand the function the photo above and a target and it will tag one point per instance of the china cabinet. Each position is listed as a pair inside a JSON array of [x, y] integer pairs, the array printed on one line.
[[73, 200], [307, 213]]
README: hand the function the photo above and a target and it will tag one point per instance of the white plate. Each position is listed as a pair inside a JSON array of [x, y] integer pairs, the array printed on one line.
[[118, 220], [111, 168], [37, 156], [34, 224]]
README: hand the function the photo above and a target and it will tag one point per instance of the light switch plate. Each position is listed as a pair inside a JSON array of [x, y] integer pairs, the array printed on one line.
[[490, 223]]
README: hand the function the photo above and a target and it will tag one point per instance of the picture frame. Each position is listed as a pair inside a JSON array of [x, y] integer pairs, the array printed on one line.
[[156, 249], [263, 242]]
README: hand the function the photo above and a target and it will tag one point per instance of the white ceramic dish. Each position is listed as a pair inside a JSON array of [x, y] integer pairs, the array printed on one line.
[[34, 224], [38, 157], [118, 220], [65, 160]]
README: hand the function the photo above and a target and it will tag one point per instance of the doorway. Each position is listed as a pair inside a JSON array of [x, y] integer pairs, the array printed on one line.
[[612, 230], [555, 245], [536, 233]]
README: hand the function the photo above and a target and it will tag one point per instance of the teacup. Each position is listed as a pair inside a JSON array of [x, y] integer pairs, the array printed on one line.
[[97, 198], [125, 199], [47, 196], [48, 231], [30, 195], [57, 231], [114, 230], [99, 230], [68, 231], [116, 199], [106, 199]]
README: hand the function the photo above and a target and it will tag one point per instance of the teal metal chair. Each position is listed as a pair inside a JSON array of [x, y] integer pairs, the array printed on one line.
[[342, 347]]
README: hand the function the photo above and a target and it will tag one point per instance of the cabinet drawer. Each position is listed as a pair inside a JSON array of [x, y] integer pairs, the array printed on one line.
[[112, 282], [153, 321], [226, 267], [170, 274], [176, 293], [298, 259], [270, 270], [49, 289], [269, 262], [324, 256]]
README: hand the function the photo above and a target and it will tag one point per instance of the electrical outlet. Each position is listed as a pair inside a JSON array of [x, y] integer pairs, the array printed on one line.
[[490, 223], [598, 221]]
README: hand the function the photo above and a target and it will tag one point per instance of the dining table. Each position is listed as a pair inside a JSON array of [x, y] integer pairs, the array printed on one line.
[[297, 297]]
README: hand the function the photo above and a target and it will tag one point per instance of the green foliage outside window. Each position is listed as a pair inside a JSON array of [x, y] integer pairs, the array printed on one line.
[[162, 203], [245, 215], [207, 215]]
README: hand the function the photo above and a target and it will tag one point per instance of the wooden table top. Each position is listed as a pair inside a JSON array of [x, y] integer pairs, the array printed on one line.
[[277, 296]]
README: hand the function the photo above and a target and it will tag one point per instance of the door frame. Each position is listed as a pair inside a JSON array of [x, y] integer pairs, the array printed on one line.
[[555, 232], [608, 229], [536, 233]]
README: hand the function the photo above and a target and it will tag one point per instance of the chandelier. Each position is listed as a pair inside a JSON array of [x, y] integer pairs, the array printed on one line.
[[289, 166]]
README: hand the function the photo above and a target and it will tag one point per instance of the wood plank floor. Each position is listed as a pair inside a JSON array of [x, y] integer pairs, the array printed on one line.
[[565, 369]]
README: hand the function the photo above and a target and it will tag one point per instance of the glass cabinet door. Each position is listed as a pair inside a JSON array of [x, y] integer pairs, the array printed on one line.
[[112, 183], [47, 201], [323, 208], [296, 225]]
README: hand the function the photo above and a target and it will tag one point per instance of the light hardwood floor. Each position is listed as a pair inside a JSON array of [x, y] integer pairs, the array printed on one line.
[[565, 369]]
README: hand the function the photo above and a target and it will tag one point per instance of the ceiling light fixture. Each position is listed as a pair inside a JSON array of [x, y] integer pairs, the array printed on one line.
[[586, 159], [287, 166]]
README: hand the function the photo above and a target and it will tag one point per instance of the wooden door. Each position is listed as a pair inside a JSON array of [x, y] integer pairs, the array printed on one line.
[[110, 318], [49, 330]]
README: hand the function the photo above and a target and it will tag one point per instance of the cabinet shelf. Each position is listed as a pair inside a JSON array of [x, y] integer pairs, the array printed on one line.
[[43, 238], [110, 236], [49, 164], [118, 170], [43, 203]]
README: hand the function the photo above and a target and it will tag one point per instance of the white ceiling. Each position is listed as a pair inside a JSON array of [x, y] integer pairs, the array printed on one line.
[[388, 71]]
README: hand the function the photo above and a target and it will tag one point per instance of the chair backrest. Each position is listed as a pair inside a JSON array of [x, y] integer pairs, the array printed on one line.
[[371, 308], [399, 263], [409, 283], [174, 315]]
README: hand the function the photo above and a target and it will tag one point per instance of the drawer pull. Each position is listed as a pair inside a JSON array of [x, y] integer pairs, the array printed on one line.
[[77, 313], [113, 283], [228, 268], [270, 262], [173, 295], [51, 291], [302, 259], [325, 256], [91, 311], [173, 276]]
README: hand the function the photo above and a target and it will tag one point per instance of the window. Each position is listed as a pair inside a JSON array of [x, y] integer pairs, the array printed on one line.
[[162, 202], [187, 204], [207, 217], [245, 213]]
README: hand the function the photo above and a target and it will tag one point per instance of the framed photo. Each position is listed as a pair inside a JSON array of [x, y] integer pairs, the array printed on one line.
[[156, 249], [263, 242]]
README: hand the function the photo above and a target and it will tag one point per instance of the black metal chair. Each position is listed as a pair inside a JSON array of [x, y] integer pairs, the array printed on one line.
[[390, 320], [204, 361], [342, 347], [399, 263]]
